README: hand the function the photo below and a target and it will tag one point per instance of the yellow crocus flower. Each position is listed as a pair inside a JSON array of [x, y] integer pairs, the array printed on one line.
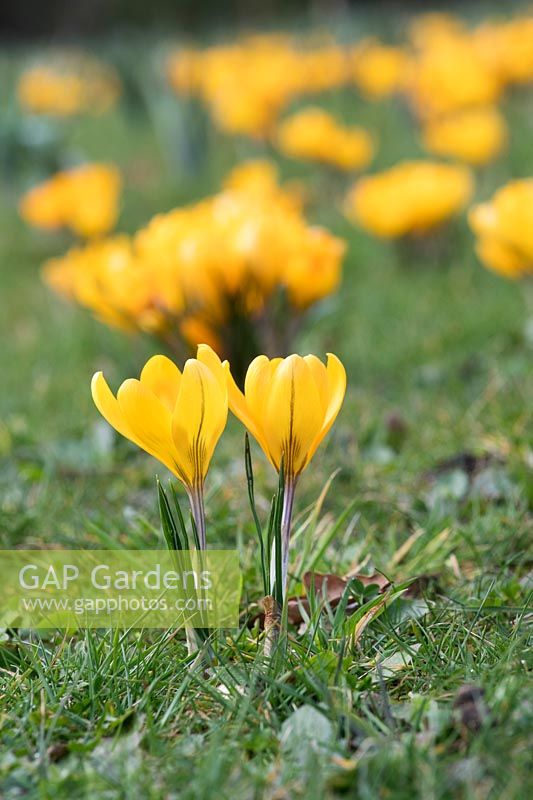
[[314, 269], [68, 85], [504, 229], [107, 278], [84, 199], [410, 198], [289, 405], [42, 90], [378, 69], [312, 134], [505, 47], [450, 77], [176, 417], [475, 135]]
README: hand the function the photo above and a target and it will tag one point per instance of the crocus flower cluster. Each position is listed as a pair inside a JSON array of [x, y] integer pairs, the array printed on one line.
[[84, 199], [246, 85], [68, 85], [456, 76], [313, 134], [237, 270], [504, 230], [450, 75], [288, 405], [411, 198]]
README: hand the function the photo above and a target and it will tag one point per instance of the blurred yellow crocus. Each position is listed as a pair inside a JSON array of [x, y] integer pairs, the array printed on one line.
[[41, 90], [237, 270], [176, 417], [312, 134], [313, 272], [379, 70], [248, 83], [413, 197], [506, 47], [429, 31], [450, 76], [106, 277], [260, 178], [504, 230], [476, 135], [84, 199], [256, 175], [289, 405], [71, 83]]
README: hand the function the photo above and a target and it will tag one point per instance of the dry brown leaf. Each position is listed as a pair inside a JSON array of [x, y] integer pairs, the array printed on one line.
[[327, 586], [331, 587]]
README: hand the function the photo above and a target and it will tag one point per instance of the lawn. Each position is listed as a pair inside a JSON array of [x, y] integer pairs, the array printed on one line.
[[427, 475]]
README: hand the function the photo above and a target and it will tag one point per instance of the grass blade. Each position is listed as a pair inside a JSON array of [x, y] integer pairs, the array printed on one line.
[[168, 524], [251, 498]]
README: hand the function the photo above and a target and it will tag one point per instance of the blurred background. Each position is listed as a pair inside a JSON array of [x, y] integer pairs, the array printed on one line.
[[86, 17]]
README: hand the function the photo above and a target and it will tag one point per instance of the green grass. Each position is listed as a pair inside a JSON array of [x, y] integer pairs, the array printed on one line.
[[438, 347]]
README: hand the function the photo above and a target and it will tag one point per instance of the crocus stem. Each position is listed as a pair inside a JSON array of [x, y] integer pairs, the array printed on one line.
[[196, 497], [273, 610], [286, 518]]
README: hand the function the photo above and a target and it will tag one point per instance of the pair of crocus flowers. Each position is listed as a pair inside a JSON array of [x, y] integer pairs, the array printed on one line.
[[288, 405]]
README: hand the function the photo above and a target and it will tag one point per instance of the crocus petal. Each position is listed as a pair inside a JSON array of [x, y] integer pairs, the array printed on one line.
[[162, 377], [293, 414], [319, 372], [199, 418], [208, 357], [336, 387], [257, 384], [240, 407], [256, 387], [150, 423], [107, 404]]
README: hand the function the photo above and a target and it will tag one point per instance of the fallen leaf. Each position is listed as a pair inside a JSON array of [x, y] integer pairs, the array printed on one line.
[[327, 587], [331, 588]]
